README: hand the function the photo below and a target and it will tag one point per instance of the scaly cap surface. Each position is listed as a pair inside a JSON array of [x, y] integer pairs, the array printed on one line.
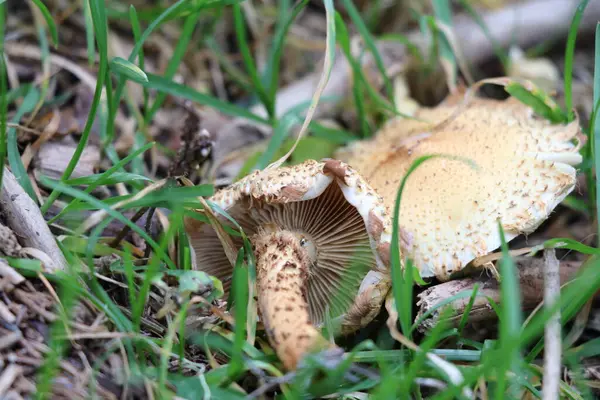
[[449, 210]]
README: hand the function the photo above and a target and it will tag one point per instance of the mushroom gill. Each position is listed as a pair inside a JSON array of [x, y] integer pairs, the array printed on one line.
[[315, 239], [328, 228]]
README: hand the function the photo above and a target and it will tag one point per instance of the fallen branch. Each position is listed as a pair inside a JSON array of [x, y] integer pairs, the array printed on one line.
[[24, 218], [531, 278]]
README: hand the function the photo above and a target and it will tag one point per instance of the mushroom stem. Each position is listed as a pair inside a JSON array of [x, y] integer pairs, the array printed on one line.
[[282, 265]]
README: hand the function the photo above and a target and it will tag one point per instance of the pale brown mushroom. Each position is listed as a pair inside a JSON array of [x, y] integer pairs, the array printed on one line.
[[449, 210], [318, 232]]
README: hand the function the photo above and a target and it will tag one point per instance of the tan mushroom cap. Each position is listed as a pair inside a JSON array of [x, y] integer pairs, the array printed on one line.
[[344, 221], [449, 210]]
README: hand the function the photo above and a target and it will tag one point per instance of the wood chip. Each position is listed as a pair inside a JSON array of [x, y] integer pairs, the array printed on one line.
[[8, 377], [8, 274], [7, 340], [6, 315]]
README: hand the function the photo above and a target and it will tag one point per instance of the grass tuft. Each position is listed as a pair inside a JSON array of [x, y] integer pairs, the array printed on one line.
[[569, 55]]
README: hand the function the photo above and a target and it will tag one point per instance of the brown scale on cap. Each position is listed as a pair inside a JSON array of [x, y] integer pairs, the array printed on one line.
[[317, 229], [449, 211]]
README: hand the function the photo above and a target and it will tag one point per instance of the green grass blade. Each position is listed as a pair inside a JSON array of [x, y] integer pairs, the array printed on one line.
[[99, 18], [14, 158], [236, 74], [240, 299], [151, 272], [370, 43], [403, 304], [175, 61], [460, 295], [511, 318], [443, 13], [573, 296], [569, 56], [166, 85], [333, 135], [128, 69], [137, 32], [174, 196], [150, 13], [139, 43], [244, 48], [103, 178], [410, 46], [359, 101], [60, 187], [538, 101], [251, 306], [117, 177], [284, 125], [343, 39], [89, 32], [283, 26], [465, 317], [48, 17], [46, 67], [595, 125], [571, 244]]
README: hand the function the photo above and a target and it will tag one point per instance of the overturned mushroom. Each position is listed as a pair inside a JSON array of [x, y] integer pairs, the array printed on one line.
[[319, 234], [449, 212]]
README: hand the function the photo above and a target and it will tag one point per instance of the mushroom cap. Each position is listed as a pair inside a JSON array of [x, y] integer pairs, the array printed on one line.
[[449, 209], [345, 223]]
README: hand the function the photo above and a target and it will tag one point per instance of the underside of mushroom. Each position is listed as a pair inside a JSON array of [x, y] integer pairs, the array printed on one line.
[[317, 232]]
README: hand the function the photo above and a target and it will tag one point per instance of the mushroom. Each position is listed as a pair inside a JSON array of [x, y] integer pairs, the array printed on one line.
[[309, 223], [320, 236], [449, 210]]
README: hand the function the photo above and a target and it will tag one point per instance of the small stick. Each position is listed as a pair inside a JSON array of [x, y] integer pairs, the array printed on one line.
[[149, 231], [127, 228], [8, 377], [552, 332]]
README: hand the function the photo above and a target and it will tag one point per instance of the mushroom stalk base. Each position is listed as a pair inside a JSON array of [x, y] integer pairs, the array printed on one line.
[[282, 272]]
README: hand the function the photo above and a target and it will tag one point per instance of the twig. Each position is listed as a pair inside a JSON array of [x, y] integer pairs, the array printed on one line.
[[552, 332], [33, 52], [99, 215], [6, 316], [9, 339], [8, 377], [126, 228], [272, 384], [25, 219], [148, 227], [531, 279], [7, 272]]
